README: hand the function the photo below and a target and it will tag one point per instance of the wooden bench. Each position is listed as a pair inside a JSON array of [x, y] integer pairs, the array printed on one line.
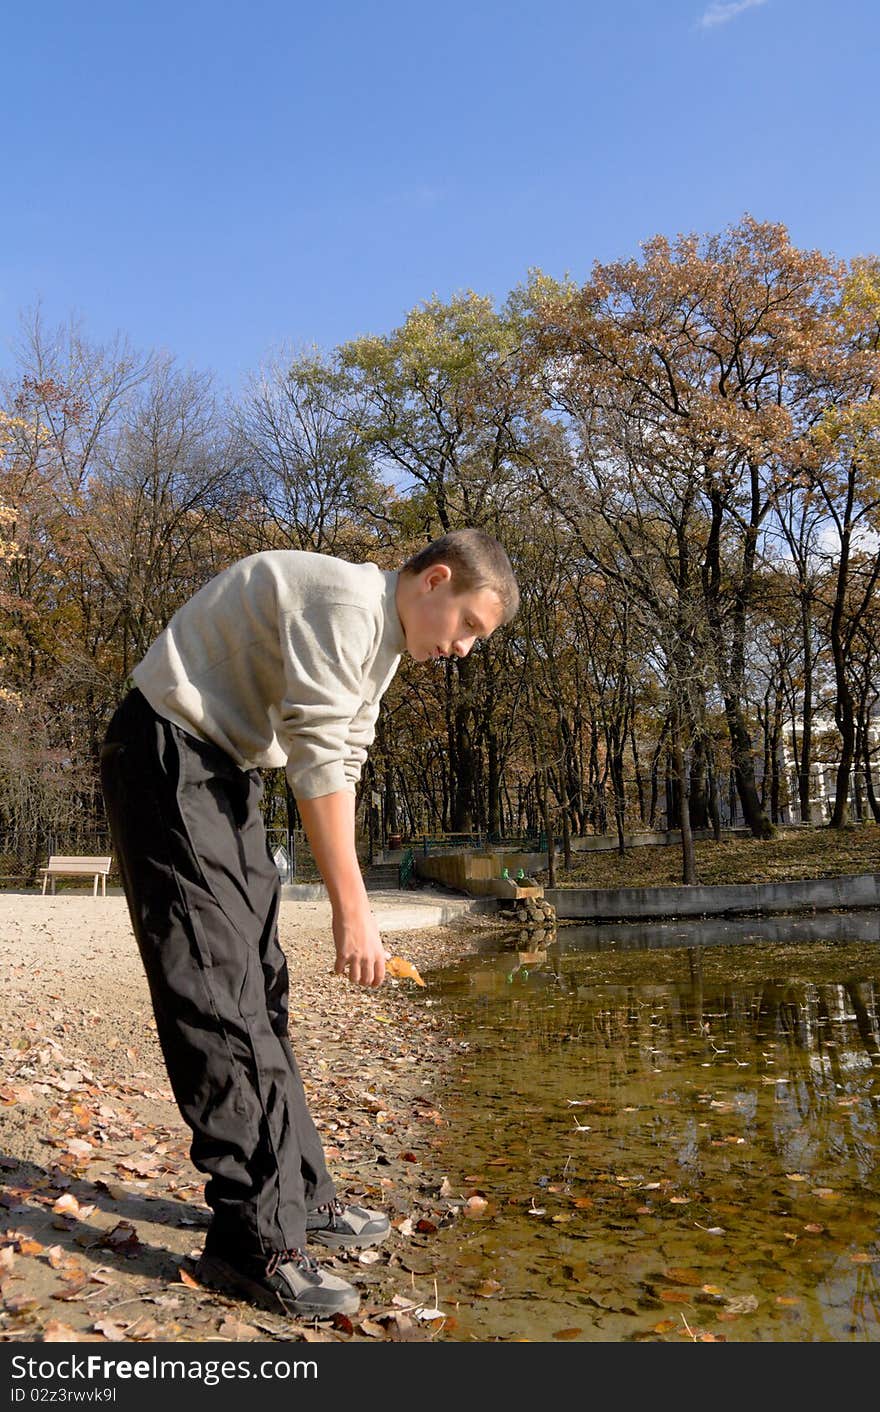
[[77, 867]]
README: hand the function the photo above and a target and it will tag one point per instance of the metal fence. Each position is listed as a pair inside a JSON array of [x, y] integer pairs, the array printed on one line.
[[20, 863]]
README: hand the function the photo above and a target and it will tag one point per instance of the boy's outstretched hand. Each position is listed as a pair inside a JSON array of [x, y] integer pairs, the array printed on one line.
[[329, 824], [360, 954]]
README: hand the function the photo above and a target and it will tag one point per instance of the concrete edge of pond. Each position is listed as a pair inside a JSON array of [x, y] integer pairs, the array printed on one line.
[[400, 910], [853, 892]]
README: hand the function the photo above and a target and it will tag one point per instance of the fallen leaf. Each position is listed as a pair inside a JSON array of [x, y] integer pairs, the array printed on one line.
[[72, 1291], [567, 1333], [123, 1236], [113, 1189], [102, 1277], [402, 970], [487, 1288], [741, 1304], [19, 1303], [111, 1329], [237, 1331], [56, 1332], [679, 1276], [187, 1279], [66, 1205]]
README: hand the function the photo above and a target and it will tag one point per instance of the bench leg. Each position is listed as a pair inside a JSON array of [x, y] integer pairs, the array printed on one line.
[[45, 880]]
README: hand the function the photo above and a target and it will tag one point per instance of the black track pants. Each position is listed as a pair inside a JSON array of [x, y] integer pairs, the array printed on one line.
[[203, 894]]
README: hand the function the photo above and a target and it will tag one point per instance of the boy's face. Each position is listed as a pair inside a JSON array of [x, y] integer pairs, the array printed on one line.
[[441, 623]]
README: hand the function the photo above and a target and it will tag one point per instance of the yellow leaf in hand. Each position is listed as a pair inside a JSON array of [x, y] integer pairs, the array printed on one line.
[[403, 970]]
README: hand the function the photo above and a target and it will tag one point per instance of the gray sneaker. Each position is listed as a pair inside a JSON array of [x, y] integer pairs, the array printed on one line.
[[287, 1282], [349, 1227]]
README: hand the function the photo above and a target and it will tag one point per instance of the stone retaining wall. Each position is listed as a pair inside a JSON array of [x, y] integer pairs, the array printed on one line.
[[804, 895]]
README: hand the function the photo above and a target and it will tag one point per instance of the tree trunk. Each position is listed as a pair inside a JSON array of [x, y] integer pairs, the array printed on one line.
[[699, 800], [463, 783], [640, 783], [671, 788], [764, 723], [775, 746], [493, 787], [548, 829], [744, 770], [597, 808], [806, 760], [688, 860], [869, 781], [732, 669], [655, 775], [714, 803], [844, 706]]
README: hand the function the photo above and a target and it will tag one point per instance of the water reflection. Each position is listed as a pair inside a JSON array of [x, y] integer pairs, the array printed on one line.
[[671, 1141]]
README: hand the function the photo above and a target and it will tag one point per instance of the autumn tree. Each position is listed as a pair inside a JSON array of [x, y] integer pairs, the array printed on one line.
[[444, 418], [687, 356], [841, 461], [309, 478]]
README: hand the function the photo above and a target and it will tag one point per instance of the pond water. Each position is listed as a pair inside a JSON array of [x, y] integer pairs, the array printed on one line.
[[665, 1133]]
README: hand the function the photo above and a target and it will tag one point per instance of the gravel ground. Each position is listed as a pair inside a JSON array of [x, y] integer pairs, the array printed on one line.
[[103, 1213]]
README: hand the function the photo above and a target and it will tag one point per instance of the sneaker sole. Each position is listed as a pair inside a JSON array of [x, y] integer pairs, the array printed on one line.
[[338, 1240], [225, 1279]]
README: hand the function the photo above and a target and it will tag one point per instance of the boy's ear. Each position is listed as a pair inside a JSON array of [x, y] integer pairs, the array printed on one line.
[[437, 574]]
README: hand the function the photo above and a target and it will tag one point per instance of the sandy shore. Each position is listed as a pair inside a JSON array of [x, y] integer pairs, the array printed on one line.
[[103, 1212]]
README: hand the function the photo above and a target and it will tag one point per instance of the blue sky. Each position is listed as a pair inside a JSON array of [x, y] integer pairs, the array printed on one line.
[[213, 179]]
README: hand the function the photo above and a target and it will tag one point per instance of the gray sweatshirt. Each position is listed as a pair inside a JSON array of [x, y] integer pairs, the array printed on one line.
[[282, 659]]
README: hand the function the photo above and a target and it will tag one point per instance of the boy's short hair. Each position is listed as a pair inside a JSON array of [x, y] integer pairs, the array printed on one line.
[[477, 561]]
